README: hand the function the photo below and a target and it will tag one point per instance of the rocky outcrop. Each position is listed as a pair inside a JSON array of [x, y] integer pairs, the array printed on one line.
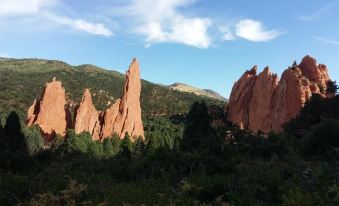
[[259, 112], [87, 117], [49, 112], [240, 98], [290, 96], [124, 116], [52, 114], [263, 103]]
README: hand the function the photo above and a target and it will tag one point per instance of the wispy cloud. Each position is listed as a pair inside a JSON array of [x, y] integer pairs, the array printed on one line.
[[250, 30], [329, 41], [23, 9], [80, 24], [161, 21], [320, 12]]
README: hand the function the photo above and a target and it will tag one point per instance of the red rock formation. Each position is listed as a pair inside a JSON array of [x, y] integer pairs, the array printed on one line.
[[316, 74], [49, 112], [240, 98], [263, 103], [125, 114], [87, 117], [293, 91], [259, 112]]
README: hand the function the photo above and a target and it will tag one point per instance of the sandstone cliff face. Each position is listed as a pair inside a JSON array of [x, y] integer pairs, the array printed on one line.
[[290, 96], [125, 115], [263, 103], [87, 117], [240, 98], [49, 112]]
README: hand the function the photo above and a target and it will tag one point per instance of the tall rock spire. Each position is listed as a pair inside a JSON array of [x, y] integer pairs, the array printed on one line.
[[124, 116], [49, 112], [87, 117]]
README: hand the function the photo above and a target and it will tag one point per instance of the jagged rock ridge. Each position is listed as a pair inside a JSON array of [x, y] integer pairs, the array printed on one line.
[[124, 116], [263, 103]]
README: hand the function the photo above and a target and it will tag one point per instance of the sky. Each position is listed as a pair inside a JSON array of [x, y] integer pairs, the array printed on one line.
[[204, 43]]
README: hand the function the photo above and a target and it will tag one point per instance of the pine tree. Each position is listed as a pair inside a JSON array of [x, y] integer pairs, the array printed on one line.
[[126, 147]]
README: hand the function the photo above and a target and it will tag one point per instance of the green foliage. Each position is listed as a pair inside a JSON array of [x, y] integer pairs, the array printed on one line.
[[71, 196], [96, 149], [34, 140], [322, 139], [332, 87], [126, 147], [198, 132], [314, 111]]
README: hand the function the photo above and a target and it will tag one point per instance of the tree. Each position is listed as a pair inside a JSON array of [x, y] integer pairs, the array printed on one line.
[[69, 144], [115, 141], [139, 146], [96, 149], [34, 140], [14, 138], [332, 87], [108, 147], [83, 141], [322, 138], [126, 147], [198, 132]]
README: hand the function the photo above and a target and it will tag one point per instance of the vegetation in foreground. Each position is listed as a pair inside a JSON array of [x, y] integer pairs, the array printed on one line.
[[181, 163]]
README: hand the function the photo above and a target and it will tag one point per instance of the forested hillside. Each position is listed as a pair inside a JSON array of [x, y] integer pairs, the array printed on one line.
[[23, 80]]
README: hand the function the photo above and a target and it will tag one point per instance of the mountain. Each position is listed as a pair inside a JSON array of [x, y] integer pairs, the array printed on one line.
[[22, 80], [200, 92]]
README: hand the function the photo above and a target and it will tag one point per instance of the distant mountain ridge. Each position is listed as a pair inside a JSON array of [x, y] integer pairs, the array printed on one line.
[[201, 92]]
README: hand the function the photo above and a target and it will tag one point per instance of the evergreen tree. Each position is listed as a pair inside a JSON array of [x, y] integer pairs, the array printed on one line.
[[332, 87], [126, 147], [108, 147], [139, 146], [69, 144], [115, 141], [34, 140], [96, 149], [14, 138], [198, 132]]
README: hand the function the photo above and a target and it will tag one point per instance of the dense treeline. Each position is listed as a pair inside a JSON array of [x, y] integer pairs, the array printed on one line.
[[183, 161]]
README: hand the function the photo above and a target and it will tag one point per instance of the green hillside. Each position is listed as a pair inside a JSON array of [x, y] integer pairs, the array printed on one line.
[[22, 80]]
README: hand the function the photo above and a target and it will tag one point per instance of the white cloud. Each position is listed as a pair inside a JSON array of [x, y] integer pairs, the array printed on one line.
[[24, 9], [250, 30], [316, 15], [329, 41], [161, 21], [12, 8], [255, 31], [80, 24]]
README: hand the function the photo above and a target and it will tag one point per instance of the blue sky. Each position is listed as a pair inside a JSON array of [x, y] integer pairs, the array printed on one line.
[[204, 43]]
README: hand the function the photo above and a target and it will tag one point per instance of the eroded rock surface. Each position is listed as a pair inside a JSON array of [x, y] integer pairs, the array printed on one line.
[[87, 117], [263, 103], [124, 116], [49, 112]]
